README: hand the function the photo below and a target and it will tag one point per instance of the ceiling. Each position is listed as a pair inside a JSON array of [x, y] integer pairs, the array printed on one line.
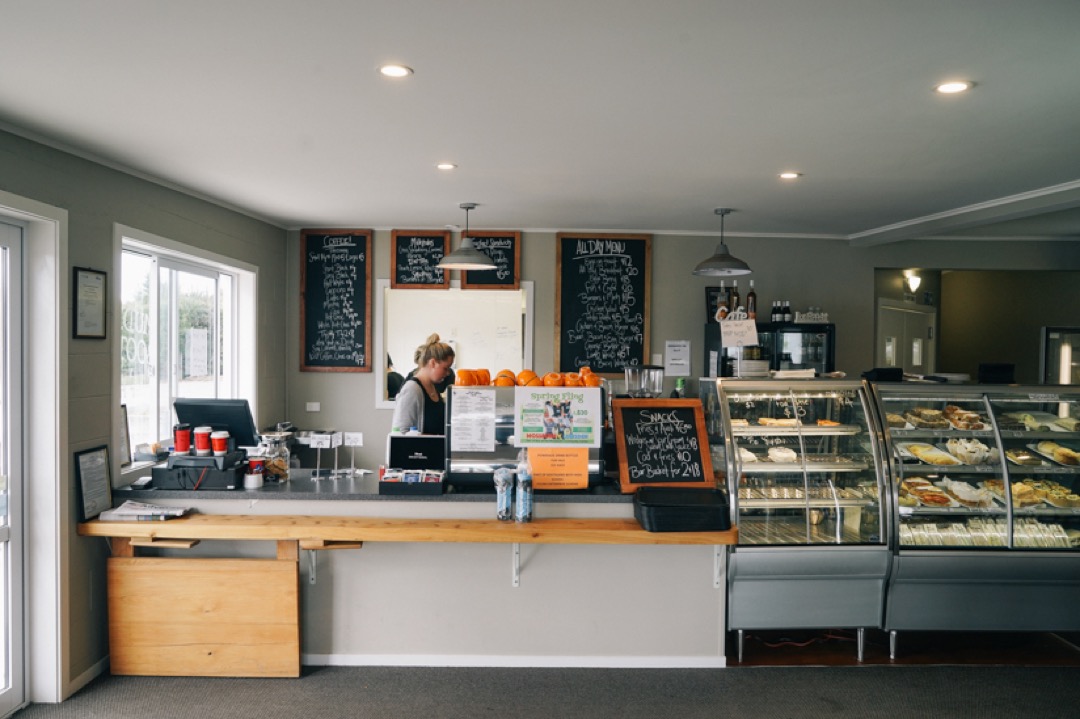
[[617, 115]]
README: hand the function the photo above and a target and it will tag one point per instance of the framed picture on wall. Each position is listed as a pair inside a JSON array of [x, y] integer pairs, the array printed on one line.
[[88, 293]]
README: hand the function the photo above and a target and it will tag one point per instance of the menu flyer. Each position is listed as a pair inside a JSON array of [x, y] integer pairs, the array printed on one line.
[[558, 416]]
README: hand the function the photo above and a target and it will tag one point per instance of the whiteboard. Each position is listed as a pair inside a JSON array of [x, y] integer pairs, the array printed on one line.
[[488, 329]]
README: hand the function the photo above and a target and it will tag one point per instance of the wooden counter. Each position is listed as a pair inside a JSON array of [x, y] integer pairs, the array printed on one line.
[[241, 617]]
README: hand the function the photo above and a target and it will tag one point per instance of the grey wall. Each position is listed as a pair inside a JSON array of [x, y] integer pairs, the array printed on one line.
[[832, 274], [96, 198]]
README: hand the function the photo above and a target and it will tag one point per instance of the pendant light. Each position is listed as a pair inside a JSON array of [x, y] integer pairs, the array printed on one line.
[[467, 257], [722, 264]]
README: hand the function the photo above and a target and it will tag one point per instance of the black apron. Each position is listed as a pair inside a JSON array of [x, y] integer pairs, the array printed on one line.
[[434, 412]]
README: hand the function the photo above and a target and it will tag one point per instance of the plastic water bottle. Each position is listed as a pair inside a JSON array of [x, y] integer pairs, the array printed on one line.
[[523, 510], [504, 491]]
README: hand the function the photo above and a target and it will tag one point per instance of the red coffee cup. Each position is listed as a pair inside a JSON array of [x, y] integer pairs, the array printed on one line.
[[219, 442], [182, 439], [202, 441], [256, 465]]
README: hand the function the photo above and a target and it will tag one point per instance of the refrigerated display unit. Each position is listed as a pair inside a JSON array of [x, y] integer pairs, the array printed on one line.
[[1059, 355], [985, 482], [785, 345], [805, 474]]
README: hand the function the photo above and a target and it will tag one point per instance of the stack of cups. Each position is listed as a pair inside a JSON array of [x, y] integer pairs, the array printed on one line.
[[254, 477], [219, 442], [182, 439], [202, 441]]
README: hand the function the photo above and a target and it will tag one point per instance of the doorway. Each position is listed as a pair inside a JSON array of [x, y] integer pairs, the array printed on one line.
[[906, 337]]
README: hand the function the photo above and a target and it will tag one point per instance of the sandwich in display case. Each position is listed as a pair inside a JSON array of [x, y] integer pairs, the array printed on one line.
[[806, 478], [986, 485]]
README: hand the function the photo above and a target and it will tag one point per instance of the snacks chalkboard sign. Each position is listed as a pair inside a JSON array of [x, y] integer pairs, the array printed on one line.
[[414, 259], [661, 442], [335, 301], [602, 293], [504, 248]]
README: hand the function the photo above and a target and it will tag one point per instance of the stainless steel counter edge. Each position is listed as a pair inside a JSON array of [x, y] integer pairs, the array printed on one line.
[[366, 488]]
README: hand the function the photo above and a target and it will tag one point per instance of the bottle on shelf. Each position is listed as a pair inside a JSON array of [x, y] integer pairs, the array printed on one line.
[[721, 304], [751, 302], [776, 315], [787, 311], [523, 509], [733, 299]]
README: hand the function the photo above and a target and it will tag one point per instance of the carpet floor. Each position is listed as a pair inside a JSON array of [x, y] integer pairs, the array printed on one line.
[[867, 692]]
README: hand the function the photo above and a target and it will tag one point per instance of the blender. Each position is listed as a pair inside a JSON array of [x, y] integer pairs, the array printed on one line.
[[645, 381]]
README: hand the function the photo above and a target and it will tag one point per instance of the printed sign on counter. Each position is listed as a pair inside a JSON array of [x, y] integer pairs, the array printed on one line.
[[473, 420], [557, 416], [560, 467]]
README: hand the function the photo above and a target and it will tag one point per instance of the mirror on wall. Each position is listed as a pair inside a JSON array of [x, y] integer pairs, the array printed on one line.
[[486, 328]]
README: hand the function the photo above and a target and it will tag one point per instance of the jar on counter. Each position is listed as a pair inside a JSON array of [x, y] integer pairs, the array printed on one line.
[[276, 452]]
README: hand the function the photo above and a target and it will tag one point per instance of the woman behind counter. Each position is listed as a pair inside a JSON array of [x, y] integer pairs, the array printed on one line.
[[419, 403]]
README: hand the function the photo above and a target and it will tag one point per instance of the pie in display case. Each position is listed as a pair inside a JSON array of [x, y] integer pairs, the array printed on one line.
[[986, 490], [804, 467]]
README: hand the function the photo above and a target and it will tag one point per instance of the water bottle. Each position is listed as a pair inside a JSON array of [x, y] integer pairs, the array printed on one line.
[[523, 510], [504, 491]]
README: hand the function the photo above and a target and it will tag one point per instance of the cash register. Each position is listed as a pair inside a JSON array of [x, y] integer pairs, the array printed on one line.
[[192, 472]]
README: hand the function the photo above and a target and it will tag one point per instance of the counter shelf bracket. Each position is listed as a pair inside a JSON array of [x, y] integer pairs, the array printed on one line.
[[515, 554], [718, 566], [311, 553]]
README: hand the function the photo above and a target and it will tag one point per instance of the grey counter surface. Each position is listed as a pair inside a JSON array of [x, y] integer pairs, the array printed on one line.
[[302, 486]]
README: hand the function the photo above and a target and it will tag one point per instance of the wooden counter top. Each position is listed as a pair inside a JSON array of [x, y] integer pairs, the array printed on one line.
[[374, 529]]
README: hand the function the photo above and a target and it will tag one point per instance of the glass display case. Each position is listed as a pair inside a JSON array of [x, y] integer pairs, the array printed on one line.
[[985, 482], [805, 473]]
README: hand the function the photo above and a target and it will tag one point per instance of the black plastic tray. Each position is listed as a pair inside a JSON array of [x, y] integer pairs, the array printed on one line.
[[679, 509]]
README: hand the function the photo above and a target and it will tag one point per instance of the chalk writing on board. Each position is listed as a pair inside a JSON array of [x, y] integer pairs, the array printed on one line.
[[336, 317], [416, 258], [603, 303], [661, 442], [504, 249]]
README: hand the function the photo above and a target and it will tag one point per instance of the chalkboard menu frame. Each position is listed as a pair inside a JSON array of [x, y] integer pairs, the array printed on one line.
[[685, 411], [502, 246], [437, 244], [570, 286], [355, 245]]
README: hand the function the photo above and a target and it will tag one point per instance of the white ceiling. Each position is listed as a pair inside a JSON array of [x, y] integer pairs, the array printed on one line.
[[622, 115]]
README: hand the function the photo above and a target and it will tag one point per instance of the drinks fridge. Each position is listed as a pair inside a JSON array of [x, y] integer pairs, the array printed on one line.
[[782, 345]]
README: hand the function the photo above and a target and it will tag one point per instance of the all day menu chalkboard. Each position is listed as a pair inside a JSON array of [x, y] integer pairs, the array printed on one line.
[[335, 301], [414, 259], [602, 292], [504, 248], [661, 442]]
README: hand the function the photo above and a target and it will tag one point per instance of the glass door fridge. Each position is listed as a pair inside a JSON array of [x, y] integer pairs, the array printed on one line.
[[1059, 355]]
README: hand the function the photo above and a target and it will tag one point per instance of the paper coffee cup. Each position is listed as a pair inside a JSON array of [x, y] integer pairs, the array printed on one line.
[[219, 442], [202, 441], [253, 481]]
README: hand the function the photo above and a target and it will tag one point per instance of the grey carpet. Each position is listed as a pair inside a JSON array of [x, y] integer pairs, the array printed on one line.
[[748, 693]]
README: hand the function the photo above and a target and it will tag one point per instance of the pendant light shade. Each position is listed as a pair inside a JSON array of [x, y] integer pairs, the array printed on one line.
[[466, 256], [722, 263]]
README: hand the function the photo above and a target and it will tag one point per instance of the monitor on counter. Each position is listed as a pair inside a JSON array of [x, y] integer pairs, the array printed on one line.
[[233, 415]]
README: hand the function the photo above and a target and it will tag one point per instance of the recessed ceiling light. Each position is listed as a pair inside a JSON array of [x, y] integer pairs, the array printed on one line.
[[790, 175], [954, 86], [446, 166], [393, 70]]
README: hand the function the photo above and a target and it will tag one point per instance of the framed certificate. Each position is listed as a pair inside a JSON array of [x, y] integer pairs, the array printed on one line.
[[88, 294], [95, 481]]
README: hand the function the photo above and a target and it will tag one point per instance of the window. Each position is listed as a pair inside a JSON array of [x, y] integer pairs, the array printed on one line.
[[179, 338]]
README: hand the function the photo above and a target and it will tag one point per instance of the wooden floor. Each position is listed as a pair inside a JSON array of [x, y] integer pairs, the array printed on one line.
[[838, 648]]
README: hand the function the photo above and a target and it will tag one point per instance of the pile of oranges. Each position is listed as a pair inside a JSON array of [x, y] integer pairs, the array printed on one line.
[[584, 377]]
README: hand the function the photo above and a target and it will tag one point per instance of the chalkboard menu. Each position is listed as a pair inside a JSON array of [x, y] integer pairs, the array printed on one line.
[[602, 292], [661, 442], [335, 301], [504, 247], [414, 259]]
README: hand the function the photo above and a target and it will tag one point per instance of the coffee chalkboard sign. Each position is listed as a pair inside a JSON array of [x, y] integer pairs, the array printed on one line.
[[504, 247], [661, 442], [335, 301], [414, 259], [602, 292]]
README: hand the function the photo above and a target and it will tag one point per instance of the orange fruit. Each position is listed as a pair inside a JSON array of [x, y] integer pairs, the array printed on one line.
[[535, 382], [483, 377], [572, 379], [592, 380], [507, 373], [553, 379], [524, 376], [585, 371], [504, 381], [465, 378]]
